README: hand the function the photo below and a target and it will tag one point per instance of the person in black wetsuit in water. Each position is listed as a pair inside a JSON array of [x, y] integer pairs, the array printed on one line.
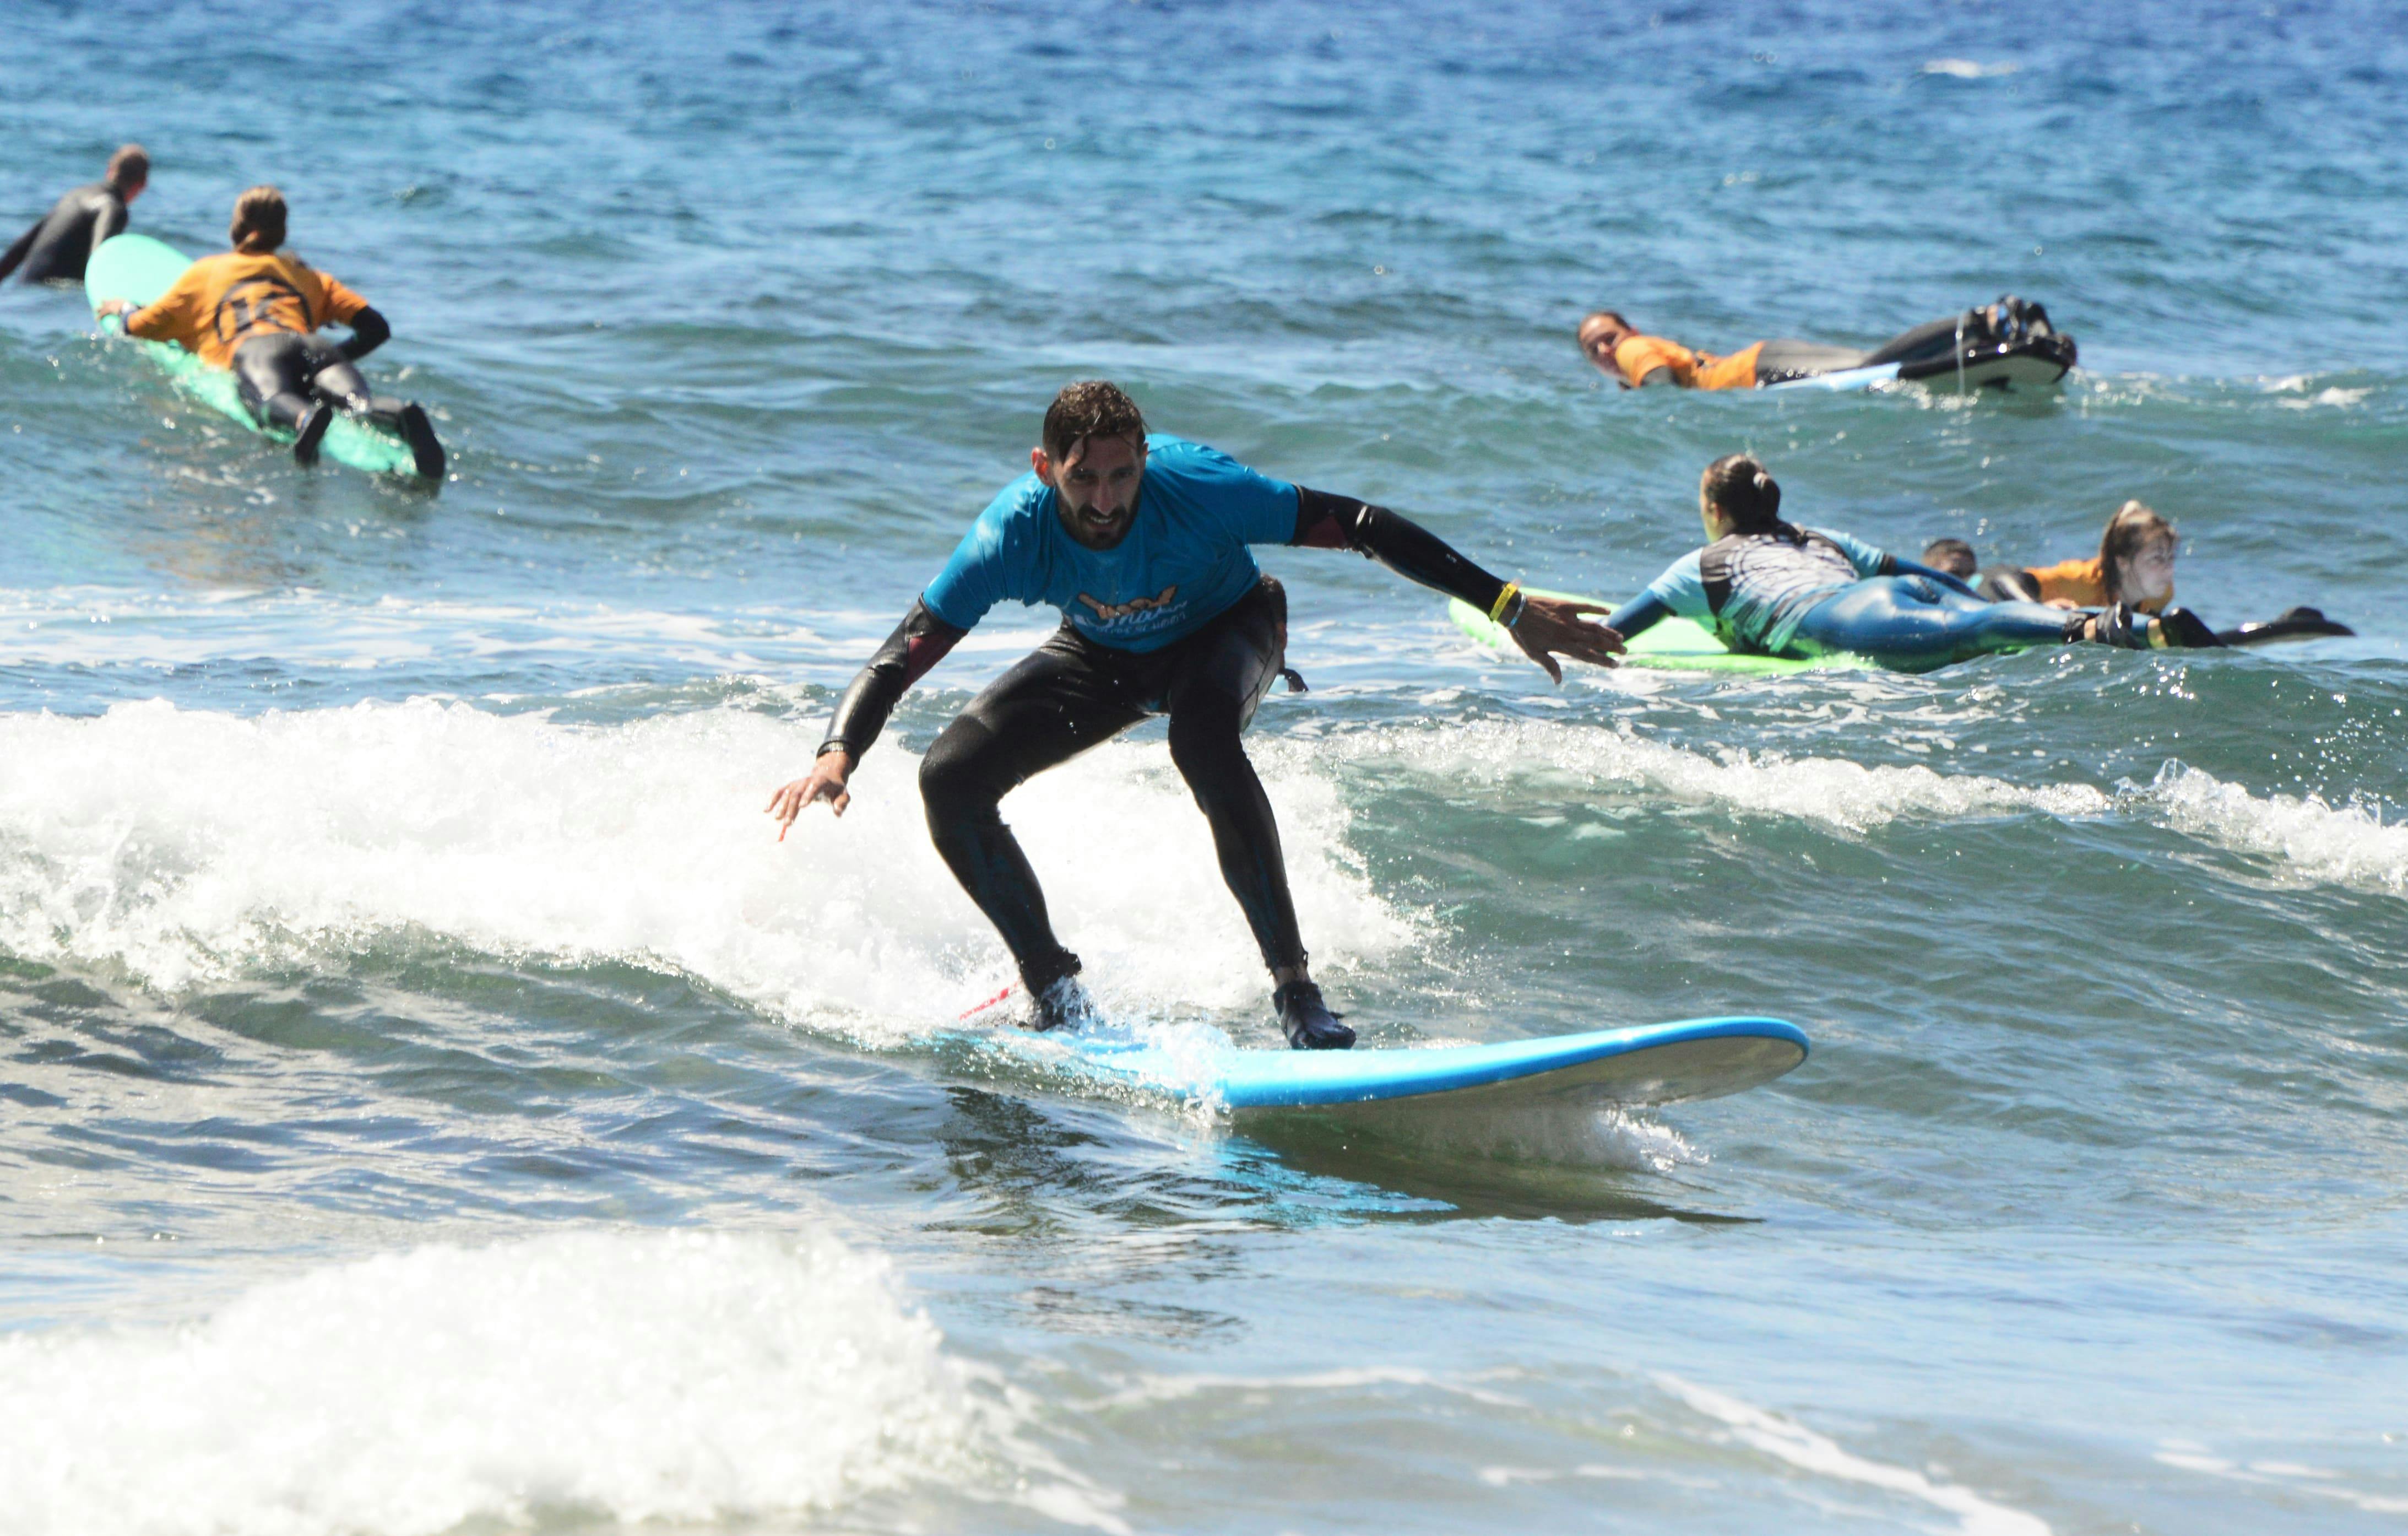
[[63, 240], [1142, 542]]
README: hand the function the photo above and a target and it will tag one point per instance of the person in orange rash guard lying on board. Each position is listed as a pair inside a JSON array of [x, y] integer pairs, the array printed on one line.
[[256, 309], [1637, 360]]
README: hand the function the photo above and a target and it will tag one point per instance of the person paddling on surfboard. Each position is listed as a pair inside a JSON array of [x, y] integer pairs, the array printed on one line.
[[1983, 338], [256, 309], [63, 240], [1142, 540], [1767, 587]]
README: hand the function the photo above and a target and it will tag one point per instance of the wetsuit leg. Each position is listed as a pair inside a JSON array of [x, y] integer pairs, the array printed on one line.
[[1220, 677], [1914, 624], [1933, 338], [1065, 697], [1781, 360], [272, 375], [335, 379]]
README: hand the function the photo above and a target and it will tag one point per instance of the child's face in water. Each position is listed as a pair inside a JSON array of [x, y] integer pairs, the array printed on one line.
[[2147, 574]]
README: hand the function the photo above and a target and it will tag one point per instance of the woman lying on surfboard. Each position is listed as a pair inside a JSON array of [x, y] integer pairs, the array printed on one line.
[[1767, 587], [256, 309], [1994, 344]]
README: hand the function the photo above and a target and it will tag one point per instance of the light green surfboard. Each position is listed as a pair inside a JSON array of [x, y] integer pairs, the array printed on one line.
[[138, 269], [1672, 644]]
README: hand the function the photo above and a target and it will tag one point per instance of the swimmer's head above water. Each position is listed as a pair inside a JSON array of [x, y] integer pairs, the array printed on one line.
[[129, 172], [1952, 555], [1092, 454], [1600, 334], [2136, 555]]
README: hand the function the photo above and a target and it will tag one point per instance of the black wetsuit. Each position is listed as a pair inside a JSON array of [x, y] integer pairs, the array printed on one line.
[[63, 240], [1073, 693], [279, 373]]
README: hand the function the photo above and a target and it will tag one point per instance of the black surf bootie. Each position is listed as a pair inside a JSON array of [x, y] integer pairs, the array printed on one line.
[[310, 431], [1308, 1020], [2177, 629], [1056, 998], [425, 448]]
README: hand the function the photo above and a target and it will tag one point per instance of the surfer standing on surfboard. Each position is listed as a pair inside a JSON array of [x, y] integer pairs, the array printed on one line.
[[1142, 540]]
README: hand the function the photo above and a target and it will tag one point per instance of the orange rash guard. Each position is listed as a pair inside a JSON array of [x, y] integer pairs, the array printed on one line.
[[224, 300], [2083, 583], [1640, 355]]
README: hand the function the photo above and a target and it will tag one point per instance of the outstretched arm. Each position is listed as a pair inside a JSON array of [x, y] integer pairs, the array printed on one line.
[[1638, 616], [369, 332], [918, 643], [1541, 626]]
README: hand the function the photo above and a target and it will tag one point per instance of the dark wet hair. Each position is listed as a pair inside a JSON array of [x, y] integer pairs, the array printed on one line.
[[1091, 408], [1739, 487], [128, 168], [258, 223], [2133, 528], [1952, 555]]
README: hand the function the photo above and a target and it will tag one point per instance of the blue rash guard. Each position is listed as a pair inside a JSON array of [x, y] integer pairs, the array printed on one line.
[[1184, 561], [1827, 592], [1770, 585]]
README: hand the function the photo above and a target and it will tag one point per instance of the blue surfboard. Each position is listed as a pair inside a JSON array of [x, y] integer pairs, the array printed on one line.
[[1634, 1066]]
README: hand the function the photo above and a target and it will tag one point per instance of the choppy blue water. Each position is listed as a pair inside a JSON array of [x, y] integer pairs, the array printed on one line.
[[431, 1101]]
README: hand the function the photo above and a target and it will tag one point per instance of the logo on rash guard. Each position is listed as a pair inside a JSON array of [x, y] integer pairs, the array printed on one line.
[[1108, 612]]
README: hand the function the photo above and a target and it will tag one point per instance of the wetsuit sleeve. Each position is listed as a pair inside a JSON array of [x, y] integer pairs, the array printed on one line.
[[918, 643], [369, 332], [16, 254], [1638, 615], [1660, 373], [1327, 522]]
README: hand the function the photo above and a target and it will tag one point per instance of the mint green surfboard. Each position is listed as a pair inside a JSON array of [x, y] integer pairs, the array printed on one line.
[[138, 269], [1672, 644]]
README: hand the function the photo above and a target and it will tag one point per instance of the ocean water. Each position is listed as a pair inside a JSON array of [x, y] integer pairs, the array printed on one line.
[[431, 1100]]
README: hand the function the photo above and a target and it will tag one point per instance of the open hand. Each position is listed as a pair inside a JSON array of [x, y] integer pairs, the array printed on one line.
[[826, 782], [1553, 624]]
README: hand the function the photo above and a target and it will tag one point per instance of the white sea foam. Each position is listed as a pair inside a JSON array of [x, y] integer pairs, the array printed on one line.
[[2291, 1477], [1803, 1448], [110, 626], [186, 845], [673, 1376], [1968, 70], [1830, 791], [2305, 837]]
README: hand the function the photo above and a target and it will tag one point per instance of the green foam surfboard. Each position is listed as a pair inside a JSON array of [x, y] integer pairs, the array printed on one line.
[[1672, 644], [138, 269]]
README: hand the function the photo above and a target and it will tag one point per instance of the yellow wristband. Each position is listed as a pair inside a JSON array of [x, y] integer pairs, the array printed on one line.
[[1504, 599]]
